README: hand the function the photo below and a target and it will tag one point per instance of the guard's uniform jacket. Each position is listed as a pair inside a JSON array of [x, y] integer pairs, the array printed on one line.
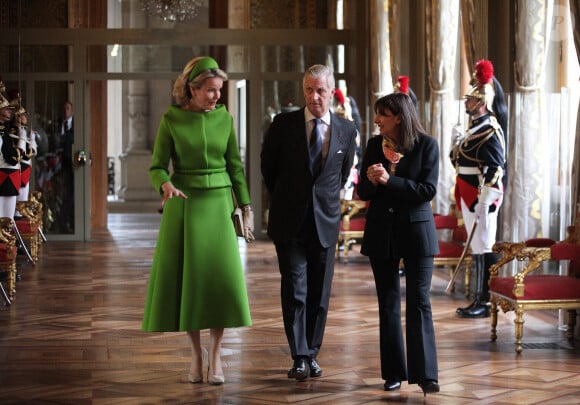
[[10, 154], [479, 160], [25, 161]]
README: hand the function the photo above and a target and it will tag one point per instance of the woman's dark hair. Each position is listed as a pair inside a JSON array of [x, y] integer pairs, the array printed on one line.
[[414, 99], [401, 104]]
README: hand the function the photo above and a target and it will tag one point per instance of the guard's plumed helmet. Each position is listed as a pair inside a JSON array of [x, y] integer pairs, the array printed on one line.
[[15, 102], [402, 85], [341, 105], [483, 83]]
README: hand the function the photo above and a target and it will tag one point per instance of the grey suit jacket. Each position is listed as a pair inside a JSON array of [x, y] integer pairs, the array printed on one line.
[[286, 171]]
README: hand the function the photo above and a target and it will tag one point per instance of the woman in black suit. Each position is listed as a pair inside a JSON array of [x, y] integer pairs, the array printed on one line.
[[399, 176]]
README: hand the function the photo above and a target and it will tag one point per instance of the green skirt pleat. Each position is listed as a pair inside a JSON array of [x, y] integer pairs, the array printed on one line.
[[197, 280]]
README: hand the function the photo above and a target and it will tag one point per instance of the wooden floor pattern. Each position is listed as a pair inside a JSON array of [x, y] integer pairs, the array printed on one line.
[[73, 336]]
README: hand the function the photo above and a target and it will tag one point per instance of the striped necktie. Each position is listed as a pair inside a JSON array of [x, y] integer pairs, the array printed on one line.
[[315, 149]]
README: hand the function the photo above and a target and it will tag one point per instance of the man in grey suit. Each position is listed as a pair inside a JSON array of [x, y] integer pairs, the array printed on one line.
[[306, 159]]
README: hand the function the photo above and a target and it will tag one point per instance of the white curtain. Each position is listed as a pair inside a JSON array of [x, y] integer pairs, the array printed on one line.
[[442, 38], [526, 204]]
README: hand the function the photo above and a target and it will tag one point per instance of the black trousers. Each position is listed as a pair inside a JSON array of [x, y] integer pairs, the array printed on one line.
[[421, 359], [306, 269]]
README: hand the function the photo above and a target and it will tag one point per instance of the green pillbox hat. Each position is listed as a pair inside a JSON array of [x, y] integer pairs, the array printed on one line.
[[204, 64]]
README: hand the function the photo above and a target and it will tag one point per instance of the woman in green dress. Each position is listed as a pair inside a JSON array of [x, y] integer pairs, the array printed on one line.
[[197, 281]]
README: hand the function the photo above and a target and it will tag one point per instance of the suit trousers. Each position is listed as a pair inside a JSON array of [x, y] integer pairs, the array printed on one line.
[[307, 270], [421, 351]]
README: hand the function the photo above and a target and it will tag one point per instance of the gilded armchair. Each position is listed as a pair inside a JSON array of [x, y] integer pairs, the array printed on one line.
[[29, 225], [528, 290]]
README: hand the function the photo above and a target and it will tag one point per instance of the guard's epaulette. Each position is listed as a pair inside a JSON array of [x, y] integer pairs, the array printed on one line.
[[493, 123], [498, 131]]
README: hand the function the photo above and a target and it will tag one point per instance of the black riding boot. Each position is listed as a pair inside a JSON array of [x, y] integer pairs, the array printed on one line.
[[488, 260], [475, 259], [479, 308]]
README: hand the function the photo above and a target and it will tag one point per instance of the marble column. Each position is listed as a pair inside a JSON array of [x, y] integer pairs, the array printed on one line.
[[136, 158]]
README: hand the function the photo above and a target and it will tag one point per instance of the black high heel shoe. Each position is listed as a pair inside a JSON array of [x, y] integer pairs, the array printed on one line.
[[392, 385], [429, 386]]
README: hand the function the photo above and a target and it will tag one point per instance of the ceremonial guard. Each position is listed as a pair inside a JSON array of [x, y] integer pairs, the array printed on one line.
[[29, 137], [11, 150], [479, 159]]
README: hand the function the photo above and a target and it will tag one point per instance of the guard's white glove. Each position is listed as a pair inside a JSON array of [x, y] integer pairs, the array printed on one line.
[[32, 143], [457, 135], [481, 210], [488, 195], [248, 219], [22, 138]]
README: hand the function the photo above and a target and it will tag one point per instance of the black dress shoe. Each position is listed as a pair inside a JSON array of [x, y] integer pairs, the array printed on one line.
[[479, 310], [429, 387], [392, 385], [467, 308], [299, 370], [315, 370]]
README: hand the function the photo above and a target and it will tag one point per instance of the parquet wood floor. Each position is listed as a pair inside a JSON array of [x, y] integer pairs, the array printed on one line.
[[73, 336]]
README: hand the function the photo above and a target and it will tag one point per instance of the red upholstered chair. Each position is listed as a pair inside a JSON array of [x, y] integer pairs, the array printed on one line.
[[8, 252], [29, 225], [527, 290], [452, 244], [352, 224]]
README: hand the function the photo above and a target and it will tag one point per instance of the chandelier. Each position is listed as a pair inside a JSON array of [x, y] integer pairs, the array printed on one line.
[[172, 10]]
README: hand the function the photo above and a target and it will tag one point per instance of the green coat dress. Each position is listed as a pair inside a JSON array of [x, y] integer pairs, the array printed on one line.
[[197, 280]]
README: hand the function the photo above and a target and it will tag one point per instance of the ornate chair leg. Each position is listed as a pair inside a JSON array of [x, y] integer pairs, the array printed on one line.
[[34, 248], [12, 282], [493, 315], [346, 249], [519, 322]]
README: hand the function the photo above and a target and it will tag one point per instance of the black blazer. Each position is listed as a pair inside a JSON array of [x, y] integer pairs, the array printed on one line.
[[399, 220], [285, 168]]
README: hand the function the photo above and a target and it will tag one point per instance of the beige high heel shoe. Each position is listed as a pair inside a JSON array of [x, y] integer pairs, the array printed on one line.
[[213, 379], [193, 378], [196, 378]]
